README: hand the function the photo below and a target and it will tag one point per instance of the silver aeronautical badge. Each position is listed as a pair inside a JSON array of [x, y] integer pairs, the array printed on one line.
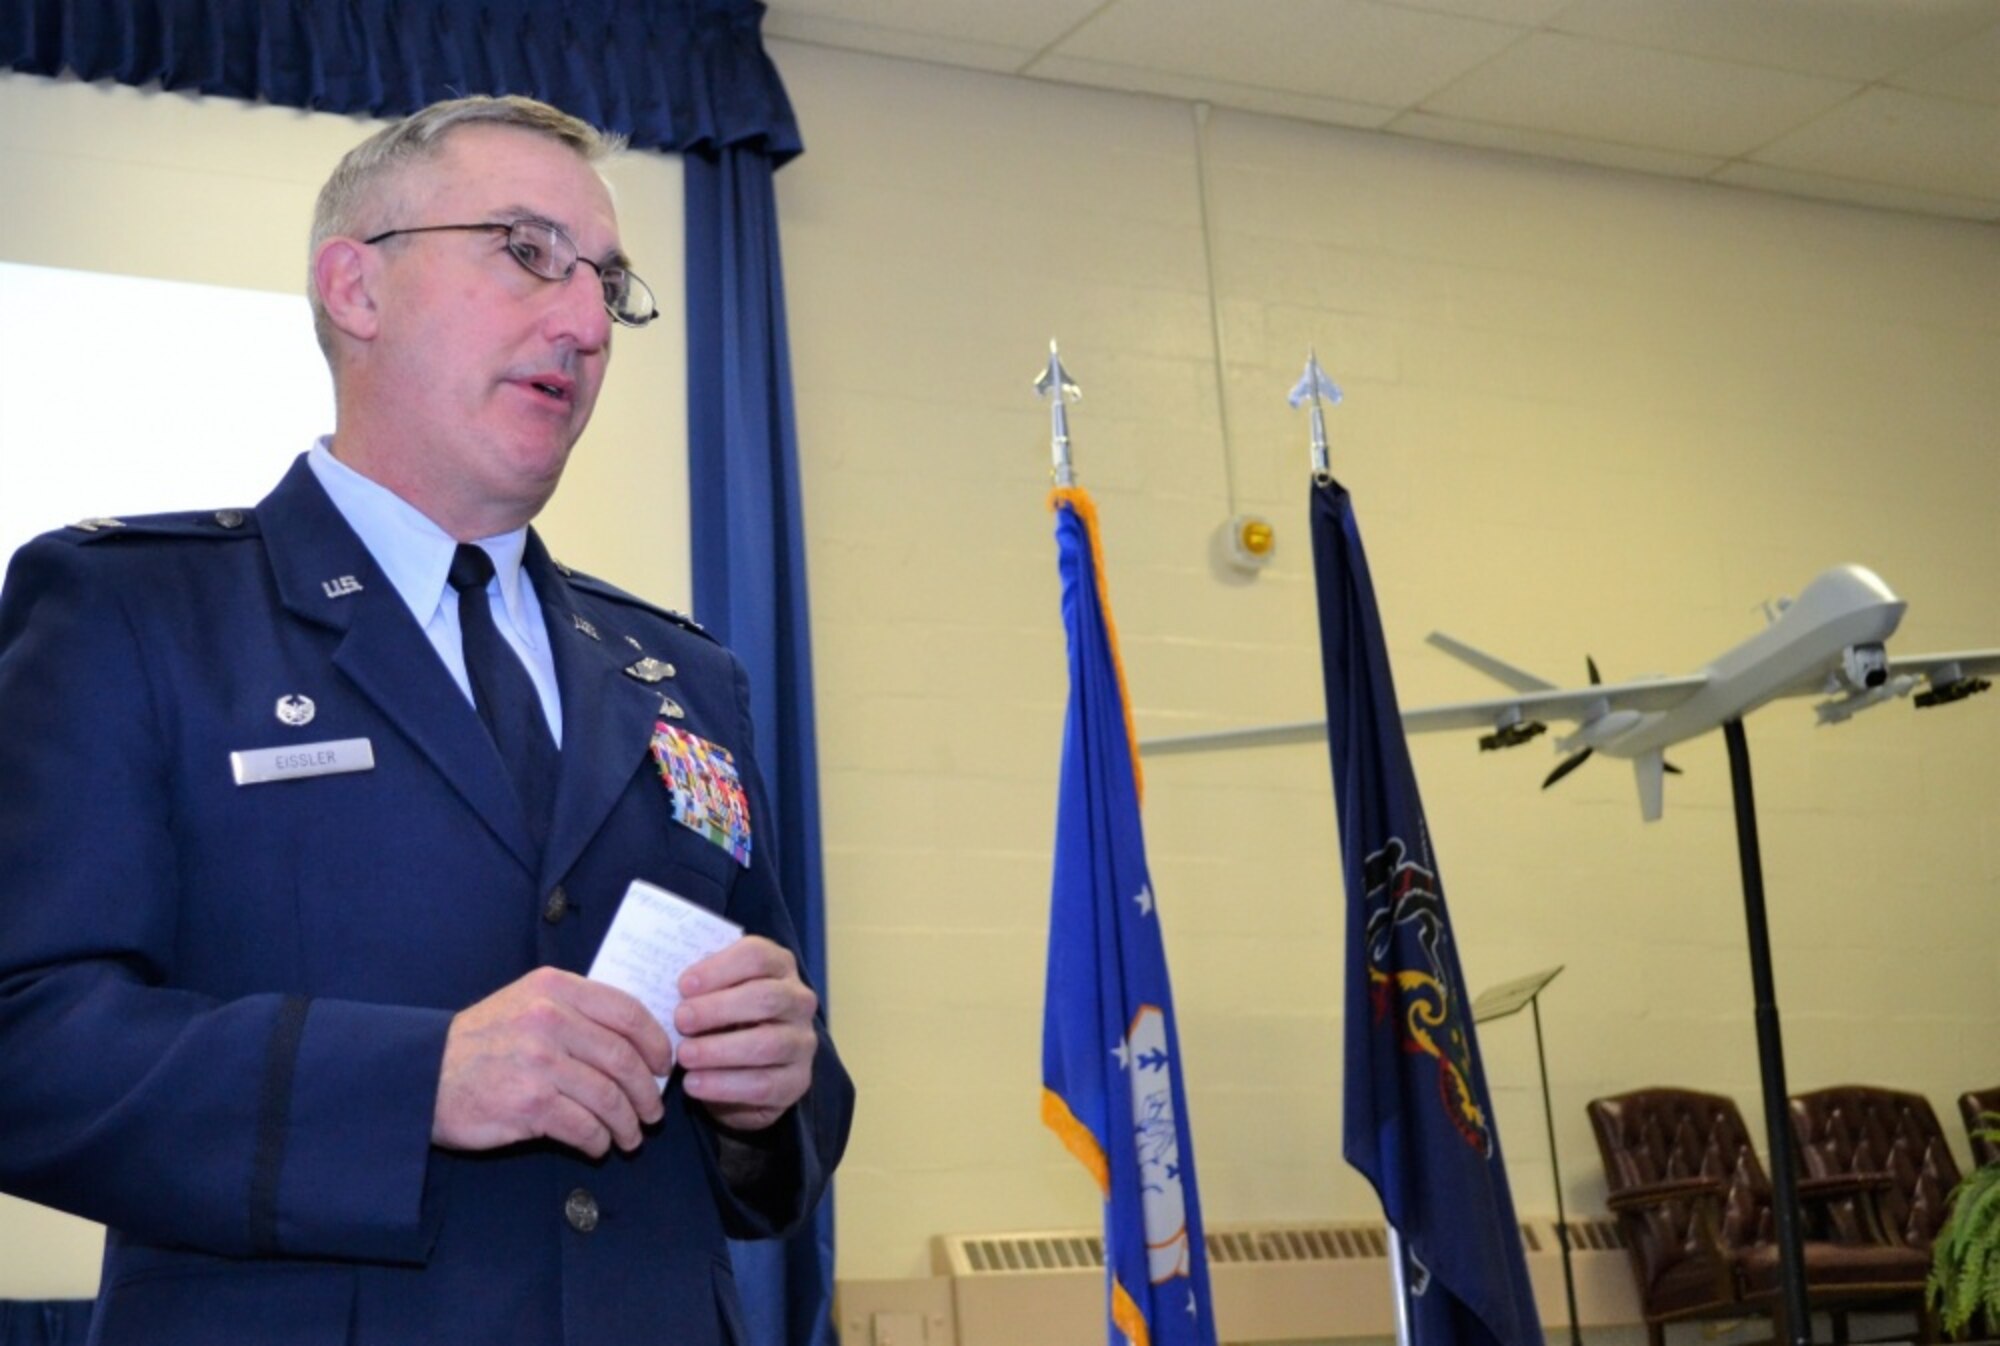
[[650, 669], [671, 709], [296, 709], [584, 626]]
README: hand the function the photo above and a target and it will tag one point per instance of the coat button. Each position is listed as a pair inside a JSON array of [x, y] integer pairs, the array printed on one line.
[[581, 1211], [557, 905]]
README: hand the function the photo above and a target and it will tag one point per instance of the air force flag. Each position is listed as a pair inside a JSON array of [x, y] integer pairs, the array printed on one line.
[[1111, 1068]]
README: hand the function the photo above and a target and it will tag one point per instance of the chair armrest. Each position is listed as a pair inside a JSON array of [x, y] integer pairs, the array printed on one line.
[[1864, 1189], [1659, 1193], [1837, 1185]]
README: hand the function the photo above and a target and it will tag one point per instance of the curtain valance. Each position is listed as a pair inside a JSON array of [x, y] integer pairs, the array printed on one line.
[[669, 74]]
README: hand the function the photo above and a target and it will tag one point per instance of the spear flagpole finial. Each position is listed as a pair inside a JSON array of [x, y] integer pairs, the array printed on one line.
[[1055, 384], [1317, 388]]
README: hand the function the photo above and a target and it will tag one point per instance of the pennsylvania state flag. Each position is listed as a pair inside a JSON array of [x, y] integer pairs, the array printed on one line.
[[1111, 1064], [1418, 1119]]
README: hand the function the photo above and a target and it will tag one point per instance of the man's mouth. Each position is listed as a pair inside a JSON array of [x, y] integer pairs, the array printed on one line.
[[553, 388]]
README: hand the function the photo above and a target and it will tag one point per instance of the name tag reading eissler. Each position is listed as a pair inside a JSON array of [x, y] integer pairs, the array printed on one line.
[[294, 761]]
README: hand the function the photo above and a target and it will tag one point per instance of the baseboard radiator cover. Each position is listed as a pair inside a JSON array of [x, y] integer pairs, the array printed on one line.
[[1273, 1282]]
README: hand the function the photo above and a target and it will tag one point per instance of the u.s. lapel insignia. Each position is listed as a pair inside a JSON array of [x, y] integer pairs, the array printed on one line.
[[583, 625], [650, 669], [670, 709], [296, 710], [706, 791], [341, 587]]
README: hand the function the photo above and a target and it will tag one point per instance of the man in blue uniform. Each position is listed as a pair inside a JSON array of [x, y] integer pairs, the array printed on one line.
[[313, 816]]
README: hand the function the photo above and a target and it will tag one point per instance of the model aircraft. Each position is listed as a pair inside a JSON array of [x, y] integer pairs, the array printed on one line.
[[1829, 642]]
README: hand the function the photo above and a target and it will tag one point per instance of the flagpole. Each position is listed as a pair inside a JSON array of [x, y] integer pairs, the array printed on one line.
[[1055, 384], [1399, 1287], [1316, 389]]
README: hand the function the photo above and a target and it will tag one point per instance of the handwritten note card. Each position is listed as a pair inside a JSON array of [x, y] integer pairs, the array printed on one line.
[[654, 938]]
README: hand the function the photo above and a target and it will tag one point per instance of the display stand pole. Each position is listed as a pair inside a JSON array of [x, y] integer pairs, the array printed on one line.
[[1497, 1003], [1555, 1173], [1770, 1045]]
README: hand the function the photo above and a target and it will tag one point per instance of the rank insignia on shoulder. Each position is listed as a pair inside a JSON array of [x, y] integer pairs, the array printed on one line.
[[97, 524], [706, 791]]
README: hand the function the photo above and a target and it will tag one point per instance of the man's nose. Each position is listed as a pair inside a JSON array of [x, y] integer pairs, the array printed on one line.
[[578, 309]]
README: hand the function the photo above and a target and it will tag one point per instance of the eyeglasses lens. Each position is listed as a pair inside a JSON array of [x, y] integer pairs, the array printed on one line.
[[547, 251]]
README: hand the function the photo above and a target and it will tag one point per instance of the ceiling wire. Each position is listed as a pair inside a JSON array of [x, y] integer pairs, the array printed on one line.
[[1215, 327]]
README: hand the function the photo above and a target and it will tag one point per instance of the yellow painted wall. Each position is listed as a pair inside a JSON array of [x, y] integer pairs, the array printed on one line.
[[1586, 412]]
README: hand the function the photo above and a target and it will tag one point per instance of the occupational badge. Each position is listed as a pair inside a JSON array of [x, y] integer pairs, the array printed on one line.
[[706, 791], [650, 669], [296, 709]]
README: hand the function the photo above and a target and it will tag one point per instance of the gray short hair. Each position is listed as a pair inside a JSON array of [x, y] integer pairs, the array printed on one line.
[[354, 192]]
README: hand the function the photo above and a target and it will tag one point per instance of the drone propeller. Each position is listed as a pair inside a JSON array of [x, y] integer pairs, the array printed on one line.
[[1578, 758], [1564, 767]]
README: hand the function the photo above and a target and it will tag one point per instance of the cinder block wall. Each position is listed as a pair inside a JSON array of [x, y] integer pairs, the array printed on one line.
[[1587, 412]]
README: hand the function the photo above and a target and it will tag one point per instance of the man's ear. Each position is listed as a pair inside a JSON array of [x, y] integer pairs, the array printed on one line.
[[343, 274]]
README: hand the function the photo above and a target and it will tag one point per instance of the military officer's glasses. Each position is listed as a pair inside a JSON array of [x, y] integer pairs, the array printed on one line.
[[544, 250]]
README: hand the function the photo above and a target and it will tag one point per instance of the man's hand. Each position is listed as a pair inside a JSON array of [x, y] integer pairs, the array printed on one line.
[[747, 1039], [553, 1055]]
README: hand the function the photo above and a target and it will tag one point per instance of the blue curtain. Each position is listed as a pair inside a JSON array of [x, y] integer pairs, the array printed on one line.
[[748, 539], [670, 74], [44, 1322], [689, 76]]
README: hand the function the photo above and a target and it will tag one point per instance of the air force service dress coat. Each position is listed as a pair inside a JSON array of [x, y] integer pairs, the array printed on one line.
[[223, 1006]]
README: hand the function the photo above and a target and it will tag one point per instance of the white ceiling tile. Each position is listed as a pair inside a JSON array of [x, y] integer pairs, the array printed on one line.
[[1631, 96], [1029, 24], [849, 36], [1902, 140], [1658, 86], [1789, 182], [1969, 70], [1245, 98], [1360, 51], [1545, 145], [1853, 39], [1525, 13]]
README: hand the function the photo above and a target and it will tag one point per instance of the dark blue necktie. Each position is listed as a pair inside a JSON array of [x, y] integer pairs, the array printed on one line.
[[504, 692]]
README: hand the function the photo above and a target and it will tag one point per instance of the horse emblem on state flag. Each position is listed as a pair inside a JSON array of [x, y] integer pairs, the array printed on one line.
[[1405, 909]]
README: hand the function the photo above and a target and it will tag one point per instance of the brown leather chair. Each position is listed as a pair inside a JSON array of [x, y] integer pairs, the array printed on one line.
[[1970, 1106], [1695, 1207], [1881, 1135]]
